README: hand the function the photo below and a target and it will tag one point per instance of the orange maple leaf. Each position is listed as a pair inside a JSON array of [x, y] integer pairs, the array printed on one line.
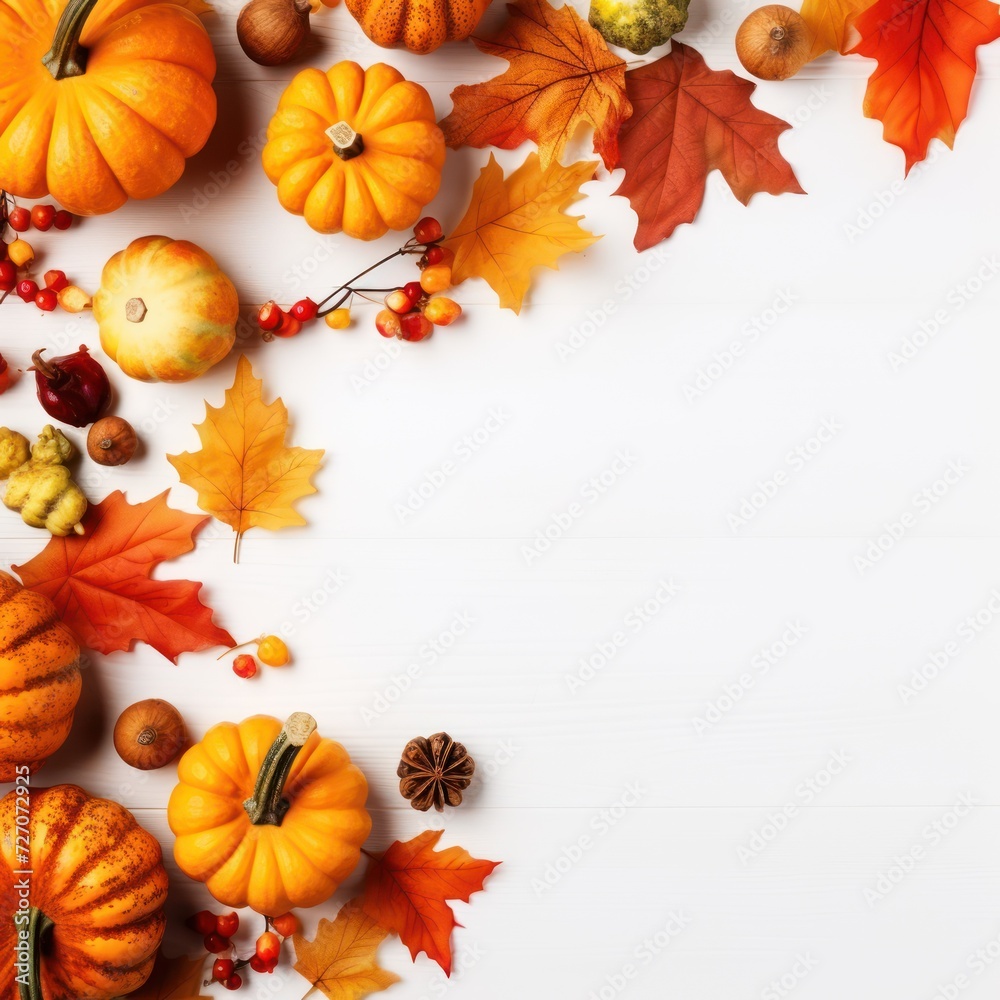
[[177, 978], [406, 888], [561, 74], [926, 52], [830, 21], [100, 581], [688, 120]]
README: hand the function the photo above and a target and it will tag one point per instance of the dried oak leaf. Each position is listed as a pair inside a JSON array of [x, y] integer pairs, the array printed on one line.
[[561, 75], [177, 978], [687, 120], [926, 52], [244, 474], [516, 223], [830, 21], [407, 886], [342, 960], [100, 581]]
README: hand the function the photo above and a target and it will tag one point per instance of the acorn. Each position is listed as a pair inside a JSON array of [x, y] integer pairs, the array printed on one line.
[[149, 734], [270, 32], [774, 42], [111, 441]]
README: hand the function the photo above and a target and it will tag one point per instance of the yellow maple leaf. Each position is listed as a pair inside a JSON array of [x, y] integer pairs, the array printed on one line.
[[830, 21], [244, 474], [341, 962], [516, 223], [177, 978]]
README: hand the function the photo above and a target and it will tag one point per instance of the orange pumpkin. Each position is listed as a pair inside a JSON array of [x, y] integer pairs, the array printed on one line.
[[420, 26], [355, 150], [86, 923], [39, 678], [101, 100], [267, 815]]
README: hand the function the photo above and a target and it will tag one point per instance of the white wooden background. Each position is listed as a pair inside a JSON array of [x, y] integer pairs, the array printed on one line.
[[625, 807]]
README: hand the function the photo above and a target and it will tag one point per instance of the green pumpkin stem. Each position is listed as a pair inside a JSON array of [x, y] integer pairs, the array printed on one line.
[[268, 805], [68, 57], [30, 987]]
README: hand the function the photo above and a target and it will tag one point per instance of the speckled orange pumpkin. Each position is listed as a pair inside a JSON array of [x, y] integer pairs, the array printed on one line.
[[39, 678], [92, 908], [420, 25]]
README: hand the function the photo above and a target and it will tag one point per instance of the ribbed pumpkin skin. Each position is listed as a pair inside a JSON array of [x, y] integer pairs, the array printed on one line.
[[191, 310], [123, 128], [269, 868], [39, 678], [420, 25], [386, 186], [99, 876]]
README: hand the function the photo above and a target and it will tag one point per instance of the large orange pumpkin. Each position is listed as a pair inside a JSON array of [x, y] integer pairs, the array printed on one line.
[[39, 678], [267, 815], [101, 100], [355, 150], [420, 25], [82, 888]]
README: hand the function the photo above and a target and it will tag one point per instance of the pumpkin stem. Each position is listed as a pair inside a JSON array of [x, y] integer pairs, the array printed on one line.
[[68, 57], [268, 805], [135, 310], [346, 142], [29, 985]]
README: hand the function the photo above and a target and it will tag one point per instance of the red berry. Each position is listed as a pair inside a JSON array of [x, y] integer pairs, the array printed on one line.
[[234, 982], [228, 923], [257, 964], [8, 276], [415, 326], [47, 300], [42, 216], [3, 250], [216, 944], [56, 280], [268, 946], [399, 302], [63, 219], [304, 310], [223, 969], [245, 666], [286, 925], [288, 327], [27, 290], [434, 255], [427, 230], [202, 922], [387, 323], [442, 311], [413, 291], [19, 219], [269, 315]]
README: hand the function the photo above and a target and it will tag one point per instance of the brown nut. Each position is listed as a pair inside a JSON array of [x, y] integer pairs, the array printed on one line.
[[149, 734], [111, 441]]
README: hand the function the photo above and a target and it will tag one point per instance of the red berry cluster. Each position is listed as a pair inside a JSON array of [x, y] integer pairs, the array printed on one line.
[[412, 310], [218, 929]]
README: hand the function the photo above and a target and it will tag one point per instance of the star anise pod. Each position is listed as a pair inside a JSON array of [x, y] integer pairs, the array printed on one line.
[[434, 771]]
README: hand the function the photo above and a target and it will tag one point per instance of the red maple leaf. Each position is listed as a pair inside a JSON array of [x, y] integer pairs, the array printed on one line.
[[100, 581], [926, 52], [406, 888], [686, 120]]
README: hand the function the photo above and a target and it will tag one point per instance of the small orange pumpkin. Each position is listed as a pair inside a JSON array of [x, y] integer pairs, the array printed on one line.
[[355, 150], [420, 26], [39, 678], [86, 922], [101, 100], [267, 815]]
